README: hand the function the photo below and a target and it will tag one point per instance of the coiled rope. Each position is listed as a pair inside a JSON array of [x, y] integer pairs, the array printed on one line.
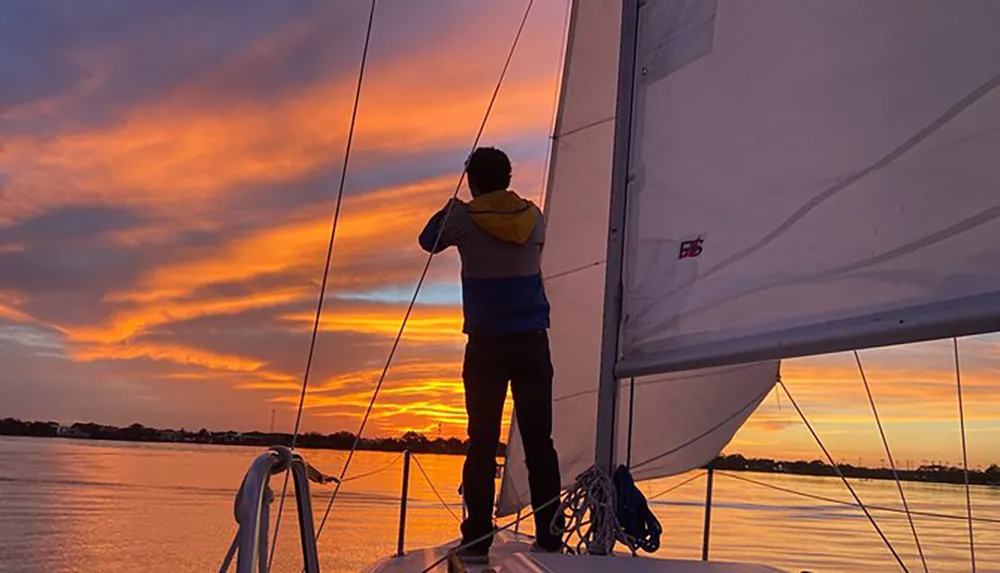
[[588, 509]]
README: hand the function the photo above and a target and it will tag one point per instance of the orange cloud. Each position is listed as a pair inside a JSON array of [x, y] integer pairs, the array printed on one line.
[[443, 326], [380, 221], [175, 155], [416, 395], [9, 310]]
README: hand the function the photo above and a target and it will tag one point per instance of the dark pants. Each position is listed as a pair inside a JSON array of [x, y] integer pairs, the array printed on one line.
[[490, 362]]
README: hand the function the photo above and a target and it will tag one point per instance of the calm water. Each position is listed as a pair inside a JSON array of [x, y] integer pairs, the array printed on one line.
[[110, 507]]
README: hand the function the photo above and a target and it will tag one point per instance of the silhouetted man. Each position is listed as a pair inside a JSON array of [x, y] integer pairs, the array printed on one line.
[[499, 237]]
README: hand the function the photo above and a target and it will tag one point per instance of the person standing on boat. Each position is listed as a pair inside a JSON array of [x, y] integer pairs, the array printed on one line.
[[499, 237]]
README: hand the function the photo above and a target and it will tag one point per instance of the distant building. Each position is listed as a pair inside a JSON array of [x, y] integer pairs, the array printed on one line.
[[70, 432]]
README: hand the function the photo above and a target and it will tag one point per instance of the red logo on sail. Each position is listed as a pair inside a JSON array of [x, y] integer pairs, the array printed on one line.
[[691, 249]]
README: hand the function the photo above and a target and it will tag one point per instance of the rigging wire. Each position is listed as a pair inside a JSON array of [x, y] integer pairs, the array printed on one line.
[[427, 478], [326, 275], [677, 486], [631, 419], [813, 496], [892, 463], [843, 478], [423, 274], [557, 96], [965, 457]]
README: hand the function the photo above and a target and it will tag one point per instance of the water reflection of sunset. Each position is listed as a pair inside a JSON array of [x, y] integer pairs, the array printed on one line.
[[119, 508]]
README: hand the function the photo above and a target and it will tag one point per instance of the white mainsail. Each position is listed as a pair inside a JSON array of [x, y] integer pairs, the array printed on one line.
[[682, 421], [804, 177], [838, 161]]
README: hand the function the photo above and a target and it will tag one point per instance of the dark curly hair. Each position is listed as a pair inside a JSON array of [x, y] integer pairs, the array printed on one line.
[[488, 170]]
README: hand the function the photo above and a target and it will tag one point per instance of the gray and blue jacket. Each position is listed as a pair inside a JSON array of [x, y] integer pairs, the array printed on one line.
[[499, 237]]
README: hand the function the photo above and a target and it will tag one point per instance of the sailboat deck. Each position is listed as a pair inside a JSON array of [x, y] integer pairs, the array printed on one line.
[[511, 554]]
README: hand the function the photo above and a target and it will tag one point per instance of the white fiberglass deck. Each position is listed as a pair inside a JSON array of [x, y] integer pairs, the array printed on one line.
[[510, 554]]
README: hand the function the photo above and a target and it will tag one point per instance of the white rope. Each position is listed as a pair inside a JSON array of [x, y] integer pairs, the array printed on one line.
[[589, 510]]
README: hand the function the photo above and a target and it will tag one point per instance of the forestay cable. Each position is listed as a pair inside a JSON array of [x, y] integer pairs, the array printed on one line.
[[423, 274], [326, 275], [892, 463], [843, 478]]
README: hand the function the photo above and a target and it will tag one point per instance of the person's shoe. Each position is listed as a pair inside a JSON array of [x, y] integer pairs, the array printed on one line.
[[474, 555]]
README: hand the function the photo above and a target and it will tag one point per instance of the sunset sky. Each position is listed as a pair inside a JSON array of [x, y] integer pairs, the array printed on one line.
[[167, 176]]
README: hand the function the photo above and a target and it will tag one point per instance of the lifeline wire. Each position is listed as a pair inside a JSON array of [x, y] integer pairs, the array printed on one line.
[[423, 274], [427, 478], [813, 496], [379, 470], [892, 463], [677, 486]]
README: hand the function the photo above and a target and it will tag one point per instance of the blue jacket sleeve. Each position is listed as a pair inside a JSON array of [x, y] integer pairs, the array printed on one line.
[[436, 226]]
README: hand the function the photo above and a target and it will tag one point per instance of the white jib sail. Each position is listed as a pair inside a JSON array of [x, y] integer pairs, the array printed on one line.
[[681, 421]]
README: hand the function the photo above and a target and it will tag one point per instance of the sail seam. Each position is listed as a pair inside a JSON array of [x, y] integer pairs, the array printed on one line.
[[811, 204], [756, 399], [584, 127], [573, 270]]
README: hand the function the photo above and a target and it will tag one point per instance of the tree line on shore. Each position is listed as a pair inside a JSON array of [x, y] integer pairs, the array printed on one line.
[[418, 443], [935, 473], [413, 441]]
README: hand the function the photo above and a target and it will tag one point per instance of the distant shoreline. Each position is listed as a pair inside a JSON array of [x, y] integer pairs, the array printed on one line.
[[412, 441], [420, 444], [931, 473]]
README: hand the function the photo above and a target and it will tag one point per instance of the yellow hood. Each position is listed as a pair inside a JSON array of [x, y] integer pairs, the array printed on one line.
[[504, 215]]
